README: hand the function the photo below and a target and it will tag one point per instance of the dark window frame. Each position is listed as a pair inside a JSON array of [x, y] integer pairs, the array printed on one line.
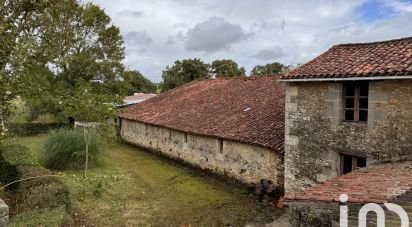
[[357, 97], [220, 146], [354, 161]]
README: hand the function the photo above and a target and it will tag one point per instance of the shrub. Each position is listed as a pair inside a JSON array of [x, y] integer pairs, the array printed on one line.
[[65, 149], [11, 156], [28, 129]]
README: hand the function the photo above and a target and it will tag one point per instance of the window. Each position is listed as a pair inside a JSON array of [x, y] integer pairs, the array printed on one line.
[[185, 137], [221, 146], [350, 163], [355, 103]]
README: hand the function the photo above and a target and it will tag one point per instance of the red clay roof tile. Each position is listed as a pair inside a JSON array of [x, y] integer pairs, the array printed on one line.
[[247, 110], [386, 58], [377, 183]]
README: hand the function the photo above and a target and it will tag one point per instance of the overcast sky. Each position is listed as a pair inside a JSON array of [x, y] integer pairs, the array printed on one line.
[[158, 32]]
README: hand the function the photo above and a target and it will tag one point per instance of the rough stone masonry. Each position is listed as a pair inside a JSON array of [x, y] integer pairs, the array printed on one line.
[[4, 214], [316, 136], [246, 163]]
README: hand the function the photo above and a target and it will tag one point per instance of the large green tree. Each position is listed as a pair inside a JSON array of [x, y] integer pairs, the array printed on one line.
[[184, 71], [136, 82], [16, 18], [227, 68], [55, 44], [268, 69], [6, 95]]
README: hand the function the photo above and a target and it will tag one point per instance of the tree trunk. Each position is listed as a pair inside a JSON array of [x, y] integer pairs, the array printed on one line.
[[2, 126], [87, 141]]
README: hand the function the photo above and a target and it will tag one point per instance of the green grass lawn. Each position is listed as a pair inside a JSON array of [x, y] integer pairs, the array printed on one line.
[[132, 188]]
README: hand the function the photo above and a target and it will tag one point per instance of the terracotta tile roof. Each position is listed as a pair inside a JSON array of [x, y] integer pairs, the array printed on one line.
[[377, 184], [386, 58], [245, 110], [137, 97]]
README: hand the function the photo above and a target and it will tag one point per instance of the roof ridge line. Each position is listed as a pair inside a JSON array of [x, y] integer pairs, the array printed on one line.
[[244, 78], [372, 43]]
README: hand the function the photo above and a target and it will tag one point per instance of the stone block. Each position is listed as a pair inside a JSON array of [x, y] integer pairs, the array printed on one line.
[[371, 105], [378, 97], [337, 87], [4, 221], [292, 91], [375, 116], [4, 214], [293, 107], [291, 140], [289, 123], [372, 86], [332, 96]]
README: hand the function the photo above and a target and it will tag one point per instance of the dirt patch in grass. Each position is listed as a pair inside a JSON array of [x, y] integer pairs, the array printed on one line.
[[132, 187]]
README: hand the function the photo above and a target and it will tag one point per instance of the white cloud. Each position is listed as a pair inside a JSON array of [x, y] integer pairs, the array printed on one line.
[[213, 35], [399, 6], [179, 37], [174, 29], [136, 38], [130, 13], [272, 53]]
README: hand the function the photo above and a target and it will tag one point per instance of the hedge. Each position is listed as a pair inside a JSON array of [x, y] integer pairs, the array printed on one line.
[[28, 129]]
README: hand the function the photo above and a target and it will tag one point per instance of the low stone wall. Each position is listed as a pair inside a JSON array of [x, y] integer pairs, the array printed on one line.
[[243, 162], [308, 214], [320, 214], [4, 214]]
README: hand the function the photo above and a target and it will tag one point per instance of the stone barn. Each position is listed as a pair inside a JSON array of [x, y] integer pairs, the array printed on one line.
[[348, 131], [231, 127], [346, 109]]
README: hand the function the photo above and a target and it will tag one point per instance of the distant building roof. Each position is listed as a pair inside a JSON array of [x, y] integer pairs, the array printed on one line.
[[377, 59], [375, 184], [137, 98], [247, 110]]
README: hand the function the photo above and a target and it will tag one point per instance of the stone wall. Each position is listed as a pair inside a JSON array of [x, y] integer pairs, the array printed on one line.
[[243, 162], [309, 214], [4, 214], [325, 214], [316, 136]]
